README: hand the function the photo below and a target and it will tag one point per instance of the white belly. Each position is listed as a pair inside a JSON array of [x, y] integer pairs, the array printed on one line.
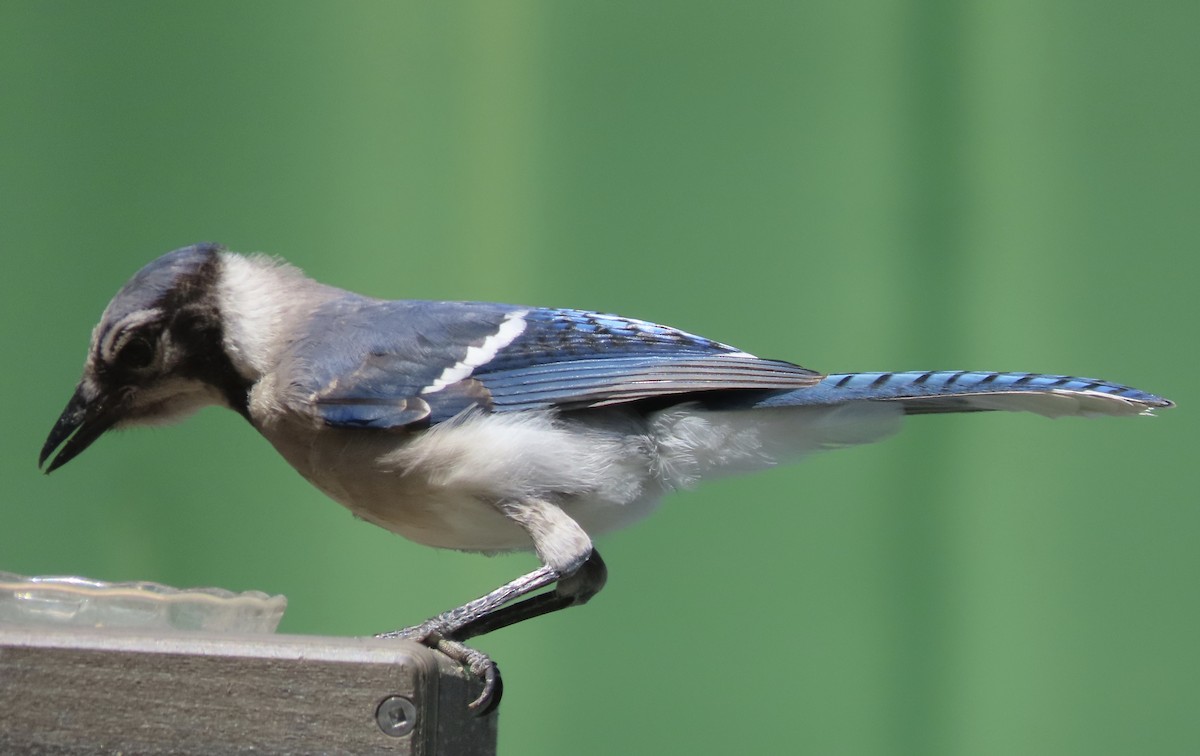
[[440, 487], [605, 469]]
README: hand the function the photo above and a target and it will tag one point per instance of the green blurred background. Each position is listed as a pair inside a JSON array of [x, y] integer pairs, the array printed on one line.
[[851, 185]]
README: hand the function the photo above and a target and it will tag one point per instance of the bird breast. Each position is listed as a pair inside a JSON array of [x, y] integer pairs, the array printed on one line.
[[442, 486]]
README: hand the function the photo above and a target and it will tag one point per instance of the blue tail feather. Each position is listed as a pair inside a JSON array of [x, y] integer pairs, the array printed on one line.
[[924, 392]]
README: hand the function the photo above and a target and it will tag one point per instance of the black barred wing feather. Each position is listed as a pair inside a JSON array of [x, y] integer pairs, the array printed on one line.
[[600, 381], [576, 359]]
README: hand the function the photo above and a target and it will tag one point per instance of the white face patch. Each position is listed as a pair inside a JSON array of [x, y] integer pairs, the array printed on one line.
[[511, 327]]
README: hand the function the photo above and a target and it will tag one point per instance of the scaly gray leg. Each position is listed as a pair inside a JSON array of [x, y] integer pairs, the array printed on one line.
[[568, 559], [574, 590]]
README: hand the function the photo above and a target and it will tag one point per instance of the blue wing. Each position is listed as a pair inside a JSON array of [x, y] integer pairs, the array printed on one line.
[[574, 359], [404, 363]]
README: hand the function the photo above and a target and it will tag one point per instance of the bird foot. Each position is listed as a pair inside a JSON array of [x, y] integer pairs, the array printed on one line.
[[477, 663]]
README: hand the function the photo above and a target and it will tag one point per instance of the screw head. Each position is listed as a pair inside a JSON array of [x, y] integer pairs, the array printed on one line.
[[396, 716]]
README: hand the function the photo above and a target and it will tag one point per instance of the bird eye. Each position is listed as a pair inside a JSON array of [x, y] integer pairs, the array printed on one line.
[[137, 353]]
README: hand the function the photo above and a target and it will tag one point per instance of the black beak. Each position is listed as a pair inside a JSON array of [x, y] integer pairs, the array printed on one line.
[[89, 413]]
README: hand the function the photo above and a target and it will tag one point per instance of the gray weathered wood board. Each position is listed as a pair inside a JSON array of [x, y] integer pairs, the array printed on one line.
[[110, 691]]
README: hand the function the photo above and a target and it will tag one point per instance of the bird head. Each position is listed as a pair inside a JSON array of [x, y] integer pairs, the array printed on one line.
[[156, 355]]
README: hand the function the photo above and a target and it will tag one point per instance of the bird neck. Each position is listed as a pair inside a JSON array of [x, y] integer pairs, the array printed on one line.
[[260, 300]]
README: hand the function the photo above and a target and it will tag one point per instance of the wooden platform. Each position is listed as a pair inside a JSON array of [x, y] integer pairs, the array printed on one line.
[[109, 691]]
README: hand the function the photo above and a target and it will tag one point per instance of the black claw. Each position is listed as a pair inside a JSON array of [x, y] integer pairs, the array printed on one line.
[[477, 663], [493, 691], [481, 666]]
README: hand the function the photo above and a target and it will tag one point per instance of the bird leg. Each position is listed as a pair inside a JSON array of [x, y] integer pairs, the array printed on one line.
[[572, 590], [568, 560], [439, 633], [446, 631], [449, 622]]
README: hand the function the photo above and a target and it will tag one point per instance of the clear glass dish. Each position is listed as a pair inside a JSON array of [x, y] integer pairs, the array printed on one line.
[[82, 602]]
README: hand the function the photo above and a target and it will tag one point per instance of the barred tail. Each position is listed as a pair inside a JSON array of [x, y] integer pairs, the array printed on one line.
[[928, 392]]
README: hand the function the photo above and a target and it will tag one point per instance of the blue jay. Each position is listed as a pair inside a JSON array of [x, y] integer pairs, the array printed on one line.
[[491, 427]]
